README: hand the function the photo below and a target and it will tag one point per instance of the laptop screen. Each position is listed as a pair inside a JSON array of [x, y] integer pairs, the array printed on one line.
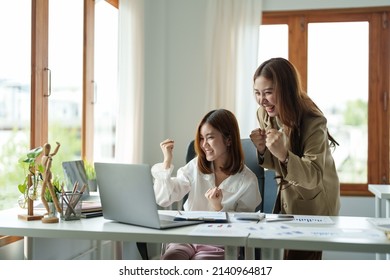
[[75, 172]]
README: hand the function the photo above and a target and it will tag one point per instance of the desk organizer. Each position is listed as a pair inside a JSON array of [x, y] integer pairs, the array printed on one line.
[[71, 206]]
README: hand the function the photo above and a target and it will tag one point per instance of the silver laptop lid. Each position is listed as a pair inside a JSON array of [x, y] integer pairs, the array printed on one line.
[[126, 193]]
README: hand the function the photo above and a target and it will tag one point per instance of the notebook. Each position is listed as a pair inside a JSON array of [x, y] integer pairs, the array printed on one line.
[[127, 196]]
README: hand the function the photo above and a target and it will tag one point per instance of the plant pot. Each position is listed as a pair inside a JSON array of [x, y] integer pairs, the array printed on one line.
[[92, 185], [52, 210]]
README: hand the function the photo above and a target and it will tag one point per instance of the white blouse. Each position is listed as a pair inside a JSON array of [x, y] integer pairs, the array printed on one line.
[[240, 192]]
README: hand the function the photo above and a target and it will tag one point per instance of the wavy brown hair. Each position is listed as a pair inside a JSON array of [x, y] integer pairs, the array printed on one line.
[[292, 102], [226, 123]]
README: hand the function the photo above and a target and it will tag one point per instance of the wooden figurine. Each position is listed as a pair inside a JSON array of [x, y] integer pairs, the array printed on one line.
[[47, 159]]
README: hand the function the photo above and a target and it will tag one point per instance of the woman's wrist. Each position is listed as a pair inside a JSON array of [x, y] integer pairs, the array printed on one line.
[[167, 164]]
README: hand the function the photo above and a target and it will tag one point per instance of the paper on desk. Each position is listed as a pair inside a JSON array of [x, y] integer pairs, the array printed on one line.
[[382, 224], [300, 219], [220, 230], [312, 219], [281, 230]]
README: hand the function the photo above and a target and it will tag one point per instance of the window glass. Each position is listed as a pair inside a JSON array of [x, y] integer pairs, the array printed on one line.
[[106, 69], [338, 83], [66, 71], [15, 98], [273, 41]]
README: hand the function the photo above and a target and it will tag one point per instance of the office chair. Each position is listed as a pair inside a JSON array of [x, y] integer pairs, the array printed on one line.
[[143, 250], [252, 162], [270, 191]]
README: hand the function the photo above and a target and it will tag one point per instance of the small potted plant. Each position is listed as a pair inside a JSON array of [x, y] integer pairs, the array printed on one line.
[[91, 176], [57, 187], [30, 189]]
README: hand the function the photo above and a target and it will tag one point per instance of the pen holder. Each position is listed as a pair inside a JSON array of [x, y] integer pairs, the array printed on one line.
[[71, 206]]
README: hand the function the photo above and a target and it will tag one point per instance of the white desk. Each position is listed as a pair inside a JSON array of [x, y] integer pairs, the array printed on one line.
[[101, 229], [382, 193], [352, 234]]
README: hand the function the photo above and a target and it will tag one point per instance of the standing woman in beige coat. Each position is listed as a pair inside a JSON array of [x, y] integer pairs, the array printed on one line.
[[293, 140]]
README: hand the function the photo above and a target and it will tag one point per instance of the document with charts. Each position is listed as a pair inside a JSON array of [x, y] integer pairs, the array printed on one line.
[[312, 220]]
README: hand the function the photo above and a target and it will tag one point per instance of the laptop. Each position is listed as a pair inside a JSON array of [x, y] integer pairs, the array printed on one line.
[[127, 196], [74, 171]]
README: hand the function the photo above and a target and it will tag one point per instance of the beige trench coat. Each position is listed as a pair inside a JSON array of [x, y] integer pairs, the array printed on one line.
[[313, 186]]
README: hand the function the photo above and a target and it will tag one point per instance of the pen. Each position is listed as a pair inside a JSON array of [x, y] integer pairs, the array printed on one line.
[[205, 219]]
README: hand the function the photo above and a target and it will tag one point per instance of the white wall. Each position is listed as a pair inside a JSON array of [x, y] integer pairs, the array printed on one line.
[[13, 251], [174, 75], [175, 80]]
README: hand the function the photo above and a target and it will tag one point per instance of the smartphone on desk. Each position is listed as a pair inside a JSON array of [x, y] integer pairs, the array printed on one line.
[[279, 218], [248, 216]]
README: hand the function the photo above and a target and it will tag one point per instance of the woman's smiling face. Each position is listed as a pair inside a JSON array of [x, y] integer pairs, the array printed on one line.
[[213, 144], [265, 95]]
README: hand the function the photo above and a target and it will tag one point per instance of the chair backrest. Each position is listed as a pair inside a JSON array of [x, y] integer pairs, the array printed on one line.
[[190, 151], [253, 164], [270, 191], [250, 161]]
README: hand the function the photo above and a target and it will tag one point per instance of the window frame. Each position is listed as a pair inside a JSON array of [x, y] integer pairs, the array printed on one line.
[[40, 76], [379, 77]]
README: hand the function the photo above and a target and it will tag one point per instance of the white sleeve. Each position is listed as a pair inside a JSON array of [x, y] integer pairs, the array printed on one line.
[[168, 189]]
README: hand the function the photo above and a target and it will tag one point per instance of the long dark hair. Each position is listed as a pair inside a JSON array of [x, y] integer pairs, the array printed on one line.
[[293, 103]]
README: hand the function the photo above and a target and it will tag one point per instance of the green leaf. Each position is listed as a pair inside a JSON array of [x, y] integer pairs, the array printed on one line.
[[41, 169], [34, 153], [89, 170], [29, 160], [22, 188]]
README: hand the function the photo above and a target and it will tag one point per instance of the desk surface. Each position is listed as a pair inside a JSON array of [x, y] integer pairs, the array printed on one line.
[[352, 234], [380, 191], [101, 229]]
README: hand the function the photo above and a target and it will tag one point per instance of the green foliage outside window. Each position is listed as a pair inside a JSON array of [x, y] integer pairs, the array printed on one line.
[[12, 173]]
